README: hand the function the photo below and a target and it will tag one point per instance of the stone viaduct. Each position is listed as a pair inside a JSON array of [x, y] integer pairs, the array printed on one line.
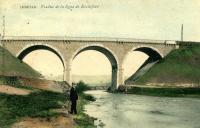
[[115, 49]]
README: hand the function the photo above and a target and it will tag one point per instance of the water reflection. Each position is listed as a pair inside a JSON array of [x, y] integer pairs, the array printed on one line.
[[135, 111]]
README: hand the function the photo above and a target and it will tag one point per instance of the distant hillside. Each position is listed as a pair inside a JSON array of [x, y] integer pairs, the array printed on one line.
[[56, 78], [93, 80], [181, 66], [11, 66]]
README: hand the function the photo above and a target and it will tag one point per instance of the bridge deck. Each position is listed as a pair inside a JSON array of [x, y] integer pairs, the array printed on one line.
[[96, 39]]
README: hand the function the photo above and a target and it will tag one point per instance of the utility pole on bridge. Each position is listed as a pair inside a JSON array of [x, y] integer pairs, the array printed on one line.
[[3, 47], [182, 32]]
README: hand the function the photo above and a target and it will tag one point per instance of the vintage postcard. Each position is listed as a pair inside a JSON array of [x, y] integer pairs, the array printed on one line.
[[99, 63]]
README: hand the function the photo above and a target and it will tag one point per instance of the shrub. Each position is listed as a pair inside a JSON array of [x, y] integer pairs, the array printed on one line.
[[10, 80], [81, 87]]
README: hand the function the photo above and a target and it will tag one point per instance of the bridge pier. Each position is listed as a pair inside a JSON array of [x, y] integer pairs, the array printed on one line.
[[120, 76], [67, 74], [114, 78]]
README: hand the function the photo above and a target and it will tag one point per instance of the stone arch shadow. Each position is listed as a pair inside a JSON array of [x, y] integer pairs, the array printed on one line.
[[154, 56], [108, 53], [30, 48]]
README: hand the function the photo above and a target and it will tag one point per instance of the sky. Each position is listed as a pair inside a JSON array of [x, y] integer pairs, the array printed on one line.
[[46, 62], [141, 19], [144, 19], [94, 63]]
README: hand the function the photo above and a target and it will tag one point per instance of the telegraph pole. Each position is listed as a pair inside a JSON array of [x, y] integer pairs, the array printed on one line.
[[182, 32], [3, 46], [3, 26]]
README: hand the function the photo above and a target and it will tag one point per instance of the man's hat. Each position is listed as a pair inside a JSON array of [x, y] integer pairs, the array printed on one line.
[[73, 84]]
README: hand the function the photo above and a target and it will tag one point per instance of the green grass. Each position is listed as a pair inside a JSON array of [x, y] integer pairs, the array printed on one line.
[[165, 91], [180, 66], [82, 119], [37, 104], [12, 66], [14, 82]]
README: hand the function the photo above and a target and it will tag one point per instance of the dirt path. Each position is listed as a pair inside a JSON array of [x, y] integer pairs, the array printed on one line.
[[12, 90], [56, 122], [42, 84]]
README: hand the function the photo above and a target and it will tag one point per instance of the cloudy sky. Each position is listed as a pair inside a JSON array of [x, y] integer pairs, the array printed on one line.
[[143, 19], [146, 19]]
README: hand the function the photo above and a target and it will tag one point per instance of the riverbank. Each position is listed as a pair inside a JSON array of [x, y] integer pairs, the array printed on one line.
[[161, 91], [30, 107], [16, 109], [82, 119]]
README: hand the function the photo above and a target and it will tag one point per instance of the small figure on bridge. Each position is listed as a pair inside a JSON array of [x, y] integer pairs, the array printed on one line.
[[73, 98]]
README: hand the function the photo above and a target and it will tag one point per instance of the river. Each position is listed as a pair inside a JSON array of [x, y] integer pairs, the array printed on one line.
[[137, 111]]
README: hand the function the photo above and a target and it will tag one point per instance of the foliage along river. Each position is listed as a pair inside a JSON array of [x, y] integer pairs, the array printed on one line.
[[137, 111]]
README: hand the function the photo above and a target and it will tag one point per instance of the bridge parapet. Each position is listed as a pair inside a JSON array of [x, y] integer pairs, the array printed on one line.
[[88, 39], [187, 43]]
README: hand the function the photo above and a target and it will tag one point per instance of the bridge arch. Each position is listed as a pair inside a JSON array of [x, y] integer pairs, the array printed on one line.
[[153, 53], [149, 50], [107, 52], [30, 48]]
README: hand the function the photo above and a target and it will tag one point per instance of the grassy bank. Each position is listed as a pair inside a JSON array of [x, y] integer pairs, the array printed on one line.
[[16, 82], [180, 66], [13, 81], [12, 66], [164, 91], [82, 119], [40, 103], [36, 104]]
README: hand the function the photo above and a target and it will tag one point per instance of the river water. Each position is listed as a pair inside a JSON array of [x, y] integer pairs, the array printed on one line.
[[137, 111]]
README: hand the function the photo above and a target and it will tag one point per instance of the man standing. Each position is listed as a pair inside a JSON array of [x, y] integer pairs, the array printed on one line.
[[73, 98]]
